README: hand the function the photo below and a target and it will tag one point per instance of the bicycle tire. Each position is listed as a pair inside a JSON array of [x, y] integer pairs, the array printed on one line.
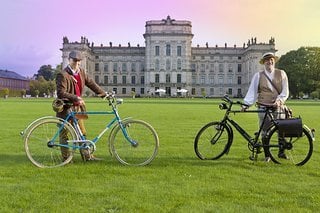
[[212, 141], [142, 133], [36, 143], [297, 149]]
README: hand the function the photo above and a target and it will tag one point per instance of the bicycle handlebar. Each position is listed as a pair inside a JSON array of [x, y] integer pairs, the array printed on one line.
[[227, 99]]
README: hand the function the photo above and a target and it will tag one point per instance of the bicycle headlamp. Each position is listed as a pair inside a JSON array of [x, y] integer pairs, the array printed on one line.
[[57, 105]]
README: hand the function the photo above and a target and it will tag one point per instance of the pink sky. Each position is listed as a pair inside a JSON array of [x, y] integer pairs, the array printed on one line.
[[32, 30]]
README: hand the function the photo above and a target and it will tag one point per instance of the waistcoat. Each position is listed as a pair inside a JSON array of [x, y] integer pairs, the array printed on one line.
[[265, 94]]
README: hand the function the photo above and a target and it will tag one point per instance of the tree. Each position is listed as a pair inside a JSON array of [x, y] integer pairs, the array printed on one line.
[[42, 86], [23, 93], [46, 72], [303, 69], [6, 92]]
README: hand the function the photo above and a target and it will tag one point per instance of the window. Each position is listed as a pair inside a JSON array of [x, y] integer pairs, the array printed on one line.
[[220, 67], [179, 78], [157, 78], [168, 50], [178, 50], [115, 79], [105, 79], [96, 67], [211, 91], [157, 53], [193, 91], [230, 68], [220, 80], [133, 79], [167, 78], [105, 67], [202, 79], [133, 67], [239, 79], [115, 67], [157, 65], [230, 80], [203, 68], [211, 79], [124, 90], [168, 64], [179, 64], [115, 90], [230, 91], [142, 79], [124, 79], [194, 79], [124, 67], [141, 90], [193, 67], [96, 79], [211, 67], [239, 67]]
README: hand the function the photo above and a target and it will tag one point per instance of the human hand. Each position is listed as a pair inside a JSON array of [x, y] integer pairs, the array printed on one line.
[[277, 103], [80, 101]]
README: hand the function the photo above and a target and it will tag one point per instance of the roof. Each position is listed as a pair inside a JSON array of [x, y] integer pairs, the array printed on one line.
[[11, 74]]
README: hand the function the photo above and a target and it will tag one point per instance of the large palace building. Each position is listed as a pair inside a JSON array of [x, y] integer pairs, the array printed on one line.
[[169, 65]]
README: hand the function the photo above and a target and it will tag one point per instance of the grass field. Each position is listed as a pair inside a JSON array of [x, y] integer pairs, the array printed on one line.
[[176, 181]]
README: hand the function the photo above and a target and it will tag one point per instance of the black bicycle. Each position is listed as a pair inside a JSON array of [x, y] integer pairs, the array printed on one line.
[[215, 138]]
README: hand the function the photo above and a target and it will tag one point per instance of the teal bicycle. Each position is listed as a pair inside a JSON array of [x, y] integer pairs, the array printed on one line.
[[131, 142]]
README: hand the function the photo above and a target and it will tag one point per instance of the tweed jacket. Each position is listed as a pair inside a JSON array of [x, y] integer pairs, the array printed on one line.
[[66, 87]]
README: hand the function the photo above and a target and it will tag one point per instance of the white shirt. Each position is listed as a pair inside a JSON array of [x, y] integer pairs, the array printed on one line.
[[74, 72], [252, 94]]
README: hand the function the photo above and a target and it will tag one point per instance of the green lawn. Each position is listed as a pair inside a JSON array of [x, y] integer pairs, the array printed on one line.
[[176, 181]]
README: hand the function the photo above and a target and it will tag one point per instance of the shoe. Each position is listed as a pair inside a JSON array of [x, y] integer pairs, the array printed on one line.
[[267, 159], [282, 155]]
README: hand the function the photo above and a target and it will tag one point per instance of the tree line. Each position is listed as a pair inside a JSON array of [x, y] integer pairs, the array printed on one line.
[[302, 67]]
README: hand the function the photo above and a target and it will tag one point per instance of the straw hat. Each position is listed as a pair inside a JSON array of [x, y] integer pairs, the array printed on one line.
[[267, 56]]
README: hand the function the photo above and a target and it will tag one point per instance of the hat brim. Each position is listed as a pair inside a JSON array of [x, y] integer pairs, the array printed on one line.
[[263, 59]]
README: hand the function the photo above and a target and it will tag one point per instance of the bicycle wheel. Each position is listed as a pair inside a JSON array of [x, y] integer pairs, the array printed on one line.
[[143, 134], [37, 147], [297, 149], [212, 141]]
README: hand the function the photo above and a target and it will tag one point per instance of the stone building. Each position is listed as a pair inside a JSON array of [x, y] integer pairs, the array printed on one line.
[[169, 64], [13, 81]]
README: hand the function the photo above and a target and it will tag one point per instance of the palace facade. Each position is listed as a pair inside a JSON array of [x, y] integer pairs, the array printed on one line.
[[169, 65]]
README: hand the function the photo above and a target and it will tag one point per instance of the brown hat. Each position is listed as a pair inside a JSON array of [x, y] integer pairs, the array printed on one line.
[[267, 56], [75, 55]]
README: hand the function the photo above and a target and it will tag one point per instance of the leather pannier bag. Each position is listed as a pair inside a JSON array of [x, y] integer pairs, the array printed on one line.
[[291, 127]]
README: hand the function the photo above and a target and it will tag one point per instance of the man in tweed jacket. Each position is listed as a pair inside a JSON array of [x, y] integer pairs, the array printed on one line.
[[70, 84]]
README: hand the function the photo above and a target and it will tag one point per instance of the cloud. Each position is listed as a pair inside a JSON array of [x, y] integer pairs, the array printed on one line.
[[25, 60]]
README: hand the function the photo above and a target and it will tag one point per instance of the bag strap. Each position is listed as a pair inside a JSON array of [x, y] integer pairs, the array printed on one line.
[[274, 86]]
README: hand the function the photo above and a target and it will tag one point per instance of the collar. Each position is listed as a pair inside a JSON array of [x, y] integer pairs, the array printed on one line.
[[74, 72]]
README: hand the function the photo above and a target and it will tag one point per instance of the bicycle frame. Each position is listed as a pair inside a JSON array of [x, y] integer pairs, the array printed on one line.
[[251, 140], [72, 116]]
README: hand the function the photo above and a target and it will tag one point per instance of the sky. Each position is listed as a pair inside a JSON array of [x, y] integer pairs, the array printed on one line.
[[32, 30]]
